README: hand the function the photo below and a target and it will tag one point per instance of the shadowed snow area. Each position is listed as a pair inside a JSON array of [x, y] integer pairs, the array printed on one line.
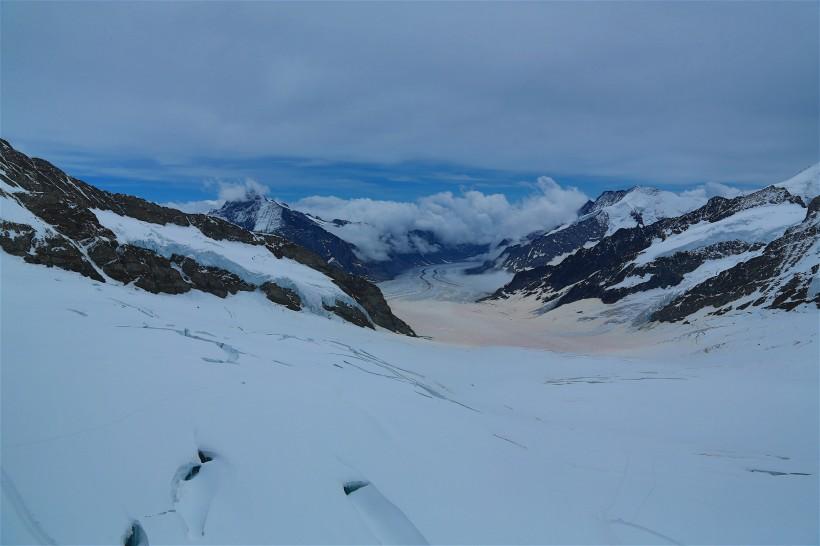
[[384, 519], [706, 434]]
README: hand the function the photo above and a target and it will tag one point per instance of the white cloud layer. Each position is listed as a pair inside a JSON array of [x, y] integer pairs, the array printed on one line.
[[382, 227]]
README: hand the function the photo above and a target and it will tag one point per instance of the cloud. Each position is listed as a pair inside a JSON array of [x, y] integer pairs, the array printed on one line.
[[203, 206], [711, 189], [247, 189], [380, 228], [227, 191], [652, 92]]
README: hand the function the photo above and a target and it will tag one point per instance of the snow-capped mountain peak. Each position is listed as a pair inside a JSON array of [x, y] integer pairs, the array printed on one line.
[[741, 251], [259, 213], [642, 205], [611, 211]]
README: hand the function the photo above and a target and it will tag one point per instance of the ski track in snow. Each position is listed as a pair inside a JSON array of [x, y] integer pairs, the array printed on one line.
[[30, 522], [231, 352]]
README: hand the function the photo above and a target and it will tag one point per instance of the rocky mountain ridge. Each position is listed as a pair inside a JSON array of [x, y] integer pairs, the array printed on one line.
[[764, 244], [612, 210], [53, 219]]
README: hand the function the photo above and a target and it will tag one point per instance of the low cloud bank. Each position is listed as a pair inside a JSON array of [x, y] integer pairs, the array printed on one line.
[[380, 228]]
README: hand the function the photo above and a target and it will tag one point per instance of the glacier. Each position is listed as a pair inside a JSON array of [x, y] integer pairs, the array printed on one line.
[[705, 433]]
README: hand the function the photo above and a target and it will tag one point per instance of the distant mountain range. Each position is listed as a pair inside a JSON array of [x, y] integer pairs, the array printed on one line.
[[630, 250], [263, 215], [612, 210], [645, 254], [652, 254]]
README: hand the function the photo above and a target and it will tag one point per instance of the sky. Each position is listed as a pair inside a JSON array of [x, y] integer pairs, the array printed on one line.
[[400, 101]]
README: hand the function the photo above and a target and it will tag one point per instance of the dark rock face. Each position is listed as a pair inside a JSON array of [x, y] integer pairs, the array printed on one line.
[[662, 272], [349, 313], [16, 239], [763, 279], [283, 296], [363, 291], [211, 279], [594, 272], [372, 300], [542, 249], [604, 200], [146, 269], [52, 251], [79, 243]]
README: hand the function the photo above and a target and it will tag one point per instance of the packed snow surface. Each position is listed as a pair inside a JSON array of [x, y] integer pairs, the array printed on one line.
[[194, 419]]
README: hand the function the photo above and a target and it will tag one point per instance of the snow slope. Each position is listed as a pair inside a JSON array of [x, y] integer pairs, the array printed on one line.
[[758, 224], [651, 204], [112, 396], [806, 183]]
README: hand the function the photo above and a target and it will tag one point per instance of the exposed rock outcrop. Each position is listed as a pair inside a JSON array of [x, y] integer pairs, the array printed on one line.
[[349, 313], [283, 296]]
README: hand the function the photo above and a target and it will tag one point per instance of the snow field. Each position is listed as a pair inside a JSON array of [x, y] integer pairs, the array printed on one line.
[[109, 394]]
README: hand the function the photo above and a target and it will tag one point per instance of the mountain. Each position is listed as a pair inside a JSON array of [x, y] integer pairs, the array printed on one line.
[[262, 215], [134, 418], [611, 211], [760, 247], [52, 219], [152, 393], [783, 276], [326, 238]]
